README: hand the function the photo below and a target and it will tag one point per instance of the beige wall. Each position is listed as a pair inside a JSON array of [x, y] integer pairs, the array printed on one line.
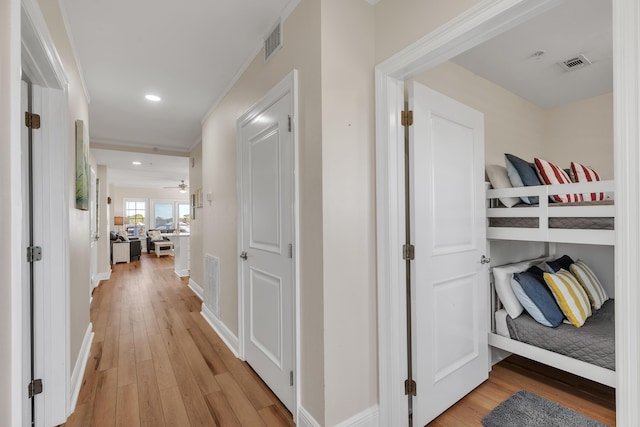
[[196, 261], [348, 209], [582, 132], [78, 219], [301, 50], [398, 23], [512, 124]]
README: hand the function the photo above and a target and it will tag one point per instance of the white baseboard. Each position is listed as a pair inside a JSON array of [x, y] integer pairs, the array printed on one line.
[[367, 418], [221, 329], [79, 368], [197, 289], [305, 419], [103, 276]]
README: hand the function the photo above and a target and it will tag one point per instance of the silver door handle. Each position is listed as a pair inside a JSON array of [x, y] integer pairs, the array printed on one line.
[[244, 255], [484, 260]]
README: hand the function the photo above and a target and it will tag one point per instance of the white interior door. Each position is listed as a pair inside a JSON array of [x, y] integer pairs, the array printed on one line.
[[449, 291], [267, 238]]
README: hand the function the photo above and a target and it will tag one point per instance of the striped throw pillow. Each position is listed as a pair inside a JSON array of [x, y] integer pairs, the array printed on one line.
[[592, 286], [551, 174], [581, 173], [570, 296]]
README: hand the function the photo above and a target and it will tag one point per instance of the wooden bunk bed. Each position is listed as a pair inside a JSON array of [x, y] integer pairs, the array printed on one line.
[[584, 223]]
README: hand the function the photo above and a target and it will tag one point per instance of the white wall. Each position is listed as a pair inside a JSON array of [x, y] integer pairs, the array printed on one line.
[[104, 246]]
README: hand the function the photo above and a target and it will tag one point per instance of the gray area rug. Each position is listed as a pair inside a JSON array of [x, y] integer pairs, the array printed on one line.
[[525, 409]]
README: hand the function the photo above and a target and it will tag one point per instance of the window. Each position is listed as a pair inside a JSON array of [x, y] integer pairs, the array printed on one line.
[[170, 215], [135, 214]]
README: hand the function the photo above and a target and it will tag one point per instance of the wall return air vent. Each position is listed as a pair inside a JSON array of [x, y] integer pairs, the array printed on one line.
[[575, 63], [273, 41]]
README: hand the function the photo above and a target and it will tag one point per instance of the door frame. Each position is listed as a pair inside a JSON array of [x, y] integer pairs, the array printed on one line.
[[288, 84], [40, 61], [476, 25]]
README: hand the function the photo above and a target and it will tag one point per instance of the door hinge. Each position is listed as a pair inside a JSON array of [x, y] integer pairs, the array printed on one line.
[[410, 387], [35, 388], [289, 126], [34, 253], [291, 250], [32, 121], [291, 378], [406, 118], [408, 252]]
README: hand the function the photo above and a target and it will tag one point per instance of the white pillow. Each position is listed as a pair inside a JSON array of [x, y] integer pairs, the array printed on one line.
[[502, 281], [154, 234], [124, 236], [499, 178]]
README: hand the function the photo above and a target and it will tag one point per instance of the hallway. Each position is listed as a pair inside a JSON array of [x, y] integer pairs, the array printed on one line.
[[156, 362]]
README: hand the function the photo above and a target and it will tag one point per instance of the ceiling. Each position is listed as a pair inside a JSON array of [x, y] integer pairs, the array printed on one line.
[[155, 170], [575, 27], [189, 53]]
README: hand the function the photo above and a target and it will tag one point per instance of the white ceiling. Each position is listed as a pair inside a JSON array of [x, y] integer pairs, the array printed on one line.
[[187, 52], [575, 27], [190, 52], [155, 171]]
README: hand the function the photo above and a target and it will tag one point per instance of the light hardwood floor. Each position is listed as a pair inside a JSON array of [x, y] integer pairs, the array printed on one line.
[[516, 373], [156, 362]]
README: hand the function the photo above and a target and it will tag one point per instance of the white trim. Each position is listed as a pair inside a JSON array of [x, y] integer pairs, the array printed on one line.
[[305, 419], [221, 329], [197, 289], [366, 418], [288, 10], [289, 84], [103, 276], [478, 24], [626, 107], [78, 370]]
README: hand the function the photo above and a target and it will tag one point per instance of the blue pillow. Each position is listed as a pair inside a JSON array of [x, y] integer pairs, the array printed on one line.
[[535, 296], [521, 173], [562, 263]]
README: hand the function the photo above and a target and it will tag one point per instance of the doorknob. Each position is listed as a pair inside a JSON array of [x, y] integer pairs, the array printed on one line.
[[484, 260], [243, 255]]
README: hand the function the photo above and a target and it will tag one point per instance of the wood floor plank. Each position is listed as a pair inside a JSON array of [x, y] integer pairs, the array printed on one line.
[[174, 411], [222, 413], [242, 407], [126, 360], [149, 400], [104, 405], [127, 412], [164, 372], [194, 401], [274, 418]]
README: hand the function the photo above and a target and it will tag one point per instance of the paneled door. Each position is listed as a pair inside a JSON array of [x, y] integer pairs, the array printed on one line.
[[449, 314], [267, 238]]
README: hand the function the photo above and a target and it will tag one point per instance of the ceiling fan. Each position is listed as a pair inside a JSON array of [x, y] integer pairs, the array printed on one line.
[[182, 187]]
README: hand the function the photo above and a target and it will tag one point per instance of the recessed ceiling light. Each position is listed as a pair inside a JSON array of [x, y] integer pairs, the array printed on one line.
[[136, 163], [154, 98]]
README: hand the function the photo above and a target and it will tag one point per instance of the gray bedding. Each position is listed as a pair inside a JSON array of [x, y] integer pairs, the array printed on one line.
[[575, 223], [593, 343]]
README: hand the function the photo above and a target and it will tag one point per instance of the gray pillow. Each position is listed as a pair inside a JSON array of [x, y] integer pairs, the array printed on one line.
[[522, 173]]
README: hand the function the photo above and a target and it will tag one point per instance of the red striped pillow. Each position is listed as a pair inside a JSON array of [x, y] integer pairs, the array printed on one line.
[[581, 173], [551, 174]]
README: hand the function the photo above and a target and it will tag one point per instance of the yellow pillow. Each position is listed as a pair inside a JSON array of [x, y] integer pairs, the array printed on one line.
[[590, 283], [570, 296]]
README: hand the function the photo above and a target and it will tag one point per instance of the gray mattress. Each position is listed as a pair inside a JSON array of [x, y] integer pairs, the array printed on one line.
[[593, 343], [575, 223]]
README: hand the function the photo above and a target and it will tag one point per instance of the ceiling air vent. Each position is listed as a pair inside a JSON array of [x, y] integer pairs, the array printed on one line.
[[273, 42], [575, 63]]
